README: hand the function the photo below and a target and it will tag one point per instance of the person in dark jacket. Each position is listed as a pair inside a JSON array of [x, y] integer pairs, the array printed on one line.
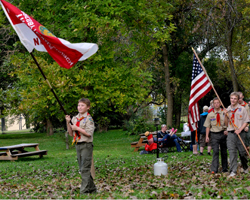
[[164, 138], [202, 132]]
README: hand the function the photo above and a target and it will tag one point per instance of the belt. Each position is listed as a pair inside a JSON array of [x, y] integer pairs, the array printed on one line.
[[78, 143], [217, 132], [83, 143]]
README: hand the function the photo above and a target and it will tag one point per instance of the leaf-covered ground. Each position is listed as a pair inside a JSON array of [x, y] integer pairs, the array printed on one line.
[[120, 172]]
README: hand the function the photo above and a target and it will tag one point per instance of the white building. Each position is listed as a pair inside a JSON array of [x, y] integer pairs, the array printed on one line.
[[14, 123]]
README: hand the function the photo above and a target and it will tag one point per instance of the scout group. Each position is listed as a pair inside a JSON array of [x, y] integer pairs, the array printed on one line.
[[222, 130], [227, 129]]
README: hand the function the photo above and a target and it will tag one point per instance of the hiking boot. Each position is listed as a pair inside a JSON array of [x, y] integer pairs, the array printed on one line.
[[232, 174], [209, 153], [201, 154], [246, 171]]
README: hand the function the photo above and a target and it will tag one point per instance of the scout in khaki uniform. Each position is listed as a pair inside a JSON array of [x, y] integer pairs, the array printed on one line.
[[239, 119], [215, 125], [246, 106], [82, 130]]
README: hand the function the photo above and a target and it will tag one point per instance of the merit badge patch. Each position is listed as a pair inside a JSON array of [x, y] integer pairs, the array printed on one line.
[[239, 109], [91, 120], [212, 119]]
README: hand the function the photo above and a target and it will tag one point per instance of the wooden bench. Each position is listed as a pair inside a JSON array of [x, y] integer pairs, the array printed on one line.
[[185, 145], [15, 151], [142, 141]]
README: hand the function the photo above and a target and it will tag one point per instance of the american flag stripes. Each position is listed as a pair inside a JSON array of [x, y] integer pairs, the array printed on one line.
[[200, 86]]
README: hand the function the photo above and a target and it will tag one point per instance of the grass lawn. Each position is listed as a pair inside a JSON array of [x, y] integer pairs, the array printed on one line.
[[120, 172]]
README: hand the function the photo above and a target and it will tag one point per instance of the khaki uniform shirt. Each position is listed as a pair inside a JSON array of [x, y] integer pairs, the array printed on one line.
[[246, 107], [211, 121], [87, 124], [240, 117]]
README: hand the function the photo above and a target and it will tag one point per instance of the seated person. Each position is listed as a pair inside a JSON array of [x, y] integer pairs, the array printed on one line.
[[150, 145], [165, 138]]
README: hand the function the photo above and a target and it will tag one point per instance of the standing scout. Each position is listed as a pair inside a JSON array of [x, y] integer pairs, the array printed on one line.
[[245, 105], [202, 132], [238, 118], [215, 125], [82, 130]]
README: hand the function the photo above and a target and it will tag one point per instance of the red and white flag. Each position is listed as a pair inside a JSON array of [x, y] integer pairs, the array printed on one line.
[[33, 35], [200, 86]]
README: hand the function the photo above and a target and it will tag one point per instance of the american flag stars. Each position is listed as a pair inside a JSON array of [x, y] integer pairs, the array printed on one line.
[[196, 68]]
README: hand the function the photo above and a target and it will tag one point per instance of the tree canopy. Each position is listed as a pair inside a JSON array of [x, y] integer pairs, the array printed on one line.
[[144, 57]]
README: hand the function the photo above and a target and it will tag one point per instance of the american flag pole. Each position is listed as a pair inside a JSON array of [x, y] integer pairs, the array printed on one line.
[[218, 97]]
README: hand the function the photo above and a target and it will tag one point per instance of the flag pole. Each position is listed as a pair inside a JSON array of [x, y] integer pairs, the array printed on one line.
[[219, 99], [40, 69]]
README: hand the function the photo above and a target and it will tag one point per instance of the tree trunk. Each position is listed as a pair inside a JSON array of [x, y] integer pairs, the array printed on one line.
[[67, 138], [178, 115], [178, 119], [3, 124], [231, 64], [102, 128], [229, 39], [27, 121], [165, 111], [233, 74], [168, 86], [49, 127], [177, 108]]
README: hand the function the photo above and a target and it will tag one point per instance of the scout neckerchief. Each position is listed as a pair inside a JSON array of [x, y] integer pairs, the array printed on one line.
[[210, 110], [77, 134], [217, 117], [244, 104], [232, 117]]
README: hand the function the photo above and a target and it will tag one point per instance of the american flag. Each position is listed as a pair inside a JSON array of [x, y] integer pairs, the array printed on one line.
[[200, 86]]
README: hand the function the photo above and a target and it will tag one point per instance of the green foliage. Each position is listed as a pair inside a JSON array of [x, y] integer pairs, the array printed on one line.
[[220, 77], [7, 39], [162, 114], [138, 126], [140, 122], [116, 76], [127, 70], [103, 123]]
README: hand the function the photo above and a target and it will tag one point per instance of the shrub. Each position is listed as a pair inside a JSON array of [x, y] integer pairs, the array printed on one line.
[[140, 122]]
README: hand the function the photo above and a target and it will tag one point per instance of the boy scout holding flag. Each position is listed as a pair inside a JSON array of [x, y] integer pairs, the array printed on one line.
[[215, 125], [82, 130], [236, 119]]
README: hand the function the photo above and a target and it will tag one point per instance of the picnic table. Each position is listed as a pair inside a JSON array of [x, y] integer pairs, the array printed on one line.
[[142, 141], [15, 151], [185, 145]]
